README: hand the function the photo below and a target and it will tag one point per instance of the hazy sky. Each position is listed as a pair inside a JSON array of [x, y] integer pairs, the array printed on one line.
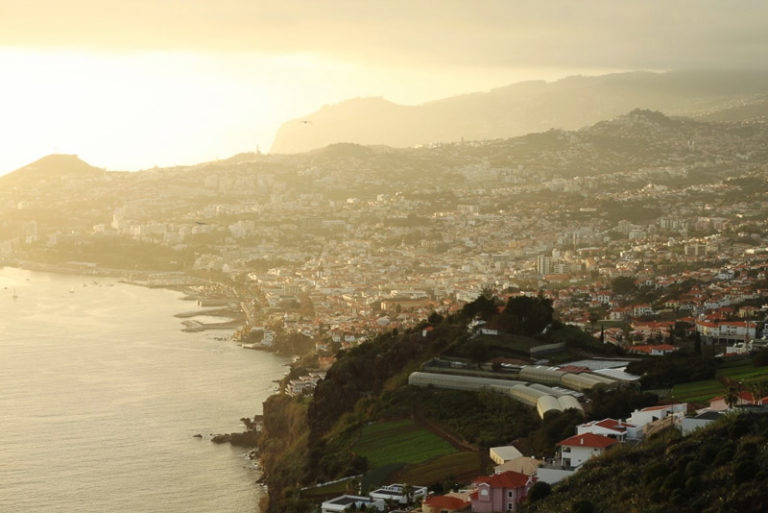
[[132, 84]]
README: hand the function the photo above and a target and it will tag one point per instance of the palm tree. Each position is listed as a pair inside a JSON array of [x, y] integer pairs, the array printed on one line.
[[408, 492]]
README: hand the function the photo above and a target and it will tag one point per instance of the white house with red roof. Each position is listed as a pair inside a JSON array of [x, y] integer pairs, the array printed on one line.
[[619, 313], [653, 349], [717, 330], [576, 450], [611, 428], [650, 414], [651, 329], [500, 492], [642, 309]]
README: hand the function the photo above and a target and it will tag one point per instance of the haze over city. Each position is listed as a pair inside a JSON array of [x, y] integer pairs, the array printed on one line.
[[133, 85], [423, 257]]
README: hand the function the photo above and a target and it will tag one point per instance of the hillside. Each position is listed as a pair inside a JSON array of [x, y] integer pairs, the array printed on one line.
[[722, 468], [364, 420], [525, 107]]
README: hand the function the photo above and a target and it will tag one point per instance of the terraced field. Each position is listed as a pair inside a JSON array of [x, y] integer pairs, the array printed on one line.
[[401, 441], [456, 465], [702, 391]]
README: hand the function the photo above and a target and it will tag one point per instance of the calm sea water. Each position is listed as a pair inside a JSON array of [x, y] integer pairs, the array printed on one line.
[[101, 394]]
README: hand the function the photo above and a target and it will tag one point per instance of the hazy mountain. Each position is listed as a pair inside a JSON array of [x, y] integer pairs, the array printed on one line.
[[526, 107], [52, 168]]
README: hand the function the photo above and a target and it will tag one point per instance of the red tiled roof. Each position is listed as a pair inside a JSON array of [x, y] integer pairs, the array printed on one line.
[[588, 440], [508, 479], [653, 408], [612, 424], [445, 502]]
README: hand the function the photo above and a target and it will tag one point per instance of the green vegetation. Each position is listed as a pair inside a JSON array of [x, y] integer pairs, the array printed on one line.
[[458, 465], [618, 403], [669, 370], [483, 418], [400, 441], [750, 377], [720, 469], [746, 373], [319, 493], [364, 422], [697, 391]]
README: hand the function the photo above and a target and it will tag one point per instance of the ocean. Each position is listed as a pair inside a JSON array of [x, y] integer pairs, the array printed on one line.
[[101, 394]]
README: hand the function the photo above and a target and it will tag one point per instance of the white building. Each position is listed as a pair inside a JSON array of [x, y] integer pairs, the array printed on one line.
[[503, 454], [397, 493], [691, 424], [611, 428], [342, 503], [576, 450], [645, 416]]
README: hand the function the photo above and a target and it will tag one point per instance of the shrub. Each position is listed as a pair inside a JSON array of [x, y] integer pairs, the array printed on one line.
[[744, 471], [539, 491], [582, 506], [674, 481], [725, 454], [655, 472]]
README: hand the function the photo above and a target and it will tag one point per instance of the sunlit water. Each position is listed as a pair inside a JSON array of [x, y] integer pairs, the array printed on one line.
[[101, 394]]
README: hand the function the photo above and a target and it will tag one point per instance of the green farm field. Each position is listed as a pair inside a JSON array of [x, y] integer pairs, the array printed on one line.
[[456, 465], [702, 391], [401, 441]]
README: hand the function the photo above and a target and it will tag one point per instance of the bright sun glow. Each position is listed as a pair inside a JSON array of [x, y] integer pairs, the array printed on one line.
[[125, 108], [136, 110]]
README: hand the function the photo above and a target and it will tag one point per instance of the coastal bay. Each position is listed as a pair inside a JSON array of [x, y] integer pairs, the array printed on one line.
[[103, 392]]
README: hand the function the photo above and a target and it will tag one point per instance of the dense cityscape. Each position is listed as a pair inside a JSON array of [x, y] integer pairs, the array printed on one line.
[[337, 243], [644, 233]]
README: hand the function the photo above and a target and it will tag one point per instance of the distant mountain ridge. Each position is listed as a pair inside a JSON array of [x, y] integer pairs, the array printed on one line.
[[526, 107], [52, 167]]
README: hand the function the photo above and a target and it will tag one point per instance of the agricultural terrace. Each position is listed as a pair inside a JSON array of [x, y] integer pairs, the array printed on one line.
[[703, 391], [401, 441]]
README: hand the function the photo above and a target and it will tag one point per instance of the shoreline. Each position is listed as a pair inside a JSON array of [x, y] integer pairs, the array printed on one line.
[[177, 281], [150, 362], [180, 282]]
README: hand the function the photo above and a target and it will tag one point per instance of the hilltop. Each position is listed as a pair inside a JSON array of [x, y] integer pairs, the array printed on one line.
[[524, 107], [51, 168]]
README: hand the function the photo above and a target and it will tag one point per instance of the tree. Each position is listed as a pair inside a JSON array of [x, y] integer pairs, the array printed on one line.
[[623, 285], [594, 316], [526, 315], [484, 307], [539, 490], [435, 318], [408, 492]]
